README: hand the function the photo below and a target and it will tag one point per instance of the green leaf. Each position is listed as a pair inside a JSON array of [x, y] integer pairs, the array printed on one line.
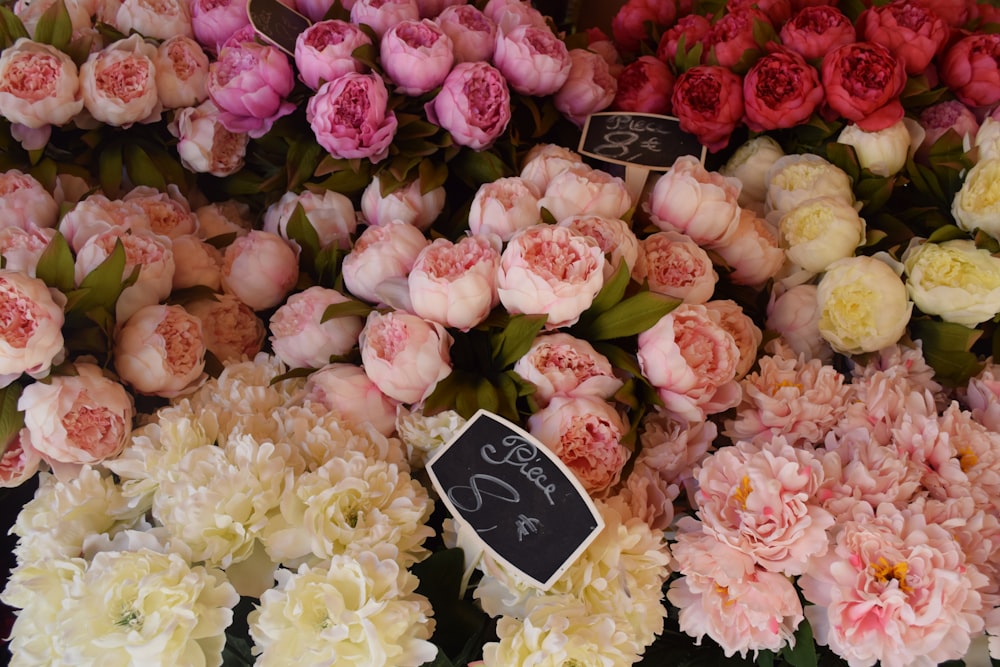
[[843, 156], [141, 168], [515, 339], [478, 167], [432, 175], [612, 291], [300, 230], [346, 309], [55, 265], [11, 420], [804, 652], [631, 316], [291, 375], [874, 192], [947, 233], [947, 349], [304, 157], [101, 287], [55, 26], [12, 27], [109, 167]]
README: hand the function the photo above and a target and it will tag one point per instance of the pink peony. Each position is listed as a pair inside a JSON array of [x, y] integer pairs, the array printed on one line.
[[214, 21], [380, 255], [39, 85], [19, 462], [689, 199], [196, 262], [31, 338], [862, 82], [816, 30], [582, 190], [204, 144], [646, 495], [912, 32], [550, 271], [982, 396], [350, 118], [585, 433], [330, 214], [503, 206], [794, 315], [260, 269], [417, 55], [615, 236], [753, 253], [732, 36], [938, 118], [404, 355], [455, 284], [742, 328], [231, 330], [559, 364], [77, 419], [408, 203], [544, 162], [676, 266], [673, 448], [588, 89], [300, 337], [323, 51], [347, 392], [472, 34], [160, 351], [22, 248], [249, 83], [473, 105], [533, 60], [970, 70], [25, 203], [628, 25], [95, 214], [119, 83], [380, 15], [167, 213], [691, 360], [181, 73], [691, 29], [645, 86]]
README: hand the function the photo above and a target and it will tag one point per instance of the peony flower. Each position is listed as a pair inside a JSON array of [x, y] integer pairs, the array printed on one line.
[[260, 269], [793, 179], [249, 83], [231, 331], [346, 391], [32, 339], [473, 104], [558, 364], [673, 448], [417, 55], [780, 90], [19, 461], [741, 327], [883, 152], [543, 162], [158, 20], [749, 165], [504, 206], [423, 434], [691, 360], [455, 284], [215, 21], [380, 255], [472, 34], [645, 86], [159, 351], [380, 15], [119, 83], [817, 29], [181, 72], [22, 248], [689, 199], [330, 214], [167, 213], [970, 70], [914, 33], [24, 201], [732, 34], [676, 266], [954, 280], [361, 607], [614, 235], [409, 203], [204, 144], [350, 119], [819, 231], [77, 419], [863, 305], [936, 119], [323, 51], [39, 85], [551, 271], [196, 262], [977, 203], [300, 337], [628, 25], [223, 218], [692, 28], [708, 100], [585, 191], [532, 59], [404, 355], [863, 82], [588, 89], [752, 252]]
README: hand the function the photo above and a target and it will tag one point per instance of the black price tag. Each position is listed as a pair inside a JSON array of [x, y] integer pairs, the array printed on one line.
[[528, 509], [276, 23], [637, 139]]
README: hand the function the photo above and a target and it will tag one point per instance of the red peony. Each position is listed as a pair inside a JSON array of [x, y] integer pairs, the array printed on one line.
[[629, 25], [863, 82], [692, 28], [645, 85], [971, 69], [708, 100], [911, 31], [780, 90], [731, 37], [815, 31]]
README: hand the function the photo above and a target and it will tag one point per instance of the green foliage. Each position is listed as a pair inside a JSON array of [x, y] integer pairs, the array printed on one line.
[[947, 349], [11, 419], [55, 26]]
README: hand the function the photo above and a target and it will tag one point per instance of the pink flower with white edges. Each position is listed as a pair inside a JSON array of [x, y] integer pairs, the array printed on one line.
[[533, 60], [409, 204], [260, 269], [301, 339], [231, 330], [589, 88], [676, 266], [585, 433], [559, 364], [77, 419], [323, 51], [25, 203], [181, 72], [614, 235], [405, 355], [31, 338], [250, 83], [119, 83], [19, 462], [455, 284], [22, 248], [893, 589], [473, 105], [417, 55], [742, 328], [380, 15], [330, 213], [214, 21], [160, 351], [552, 271], [350, 117], [204, 144], [157, 19], [39, 85], [982, 396], [95, 214], [646, 495], [689, 199], [544, 162], [381, 254], [346, 391], [938, 118], [472, 34], [502, 207], [794, 315], [691, 360], [582, 190], [167, 213]]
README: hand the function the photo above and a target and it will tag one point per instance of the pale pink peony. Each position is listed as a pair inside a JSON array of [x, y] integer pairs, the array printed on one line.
[[181, 72], [614, 235], [19, 462], [895, 589], [675, 448], [582, 190], [119, 83], [346, 391], [21, 248], [95, 214], [77, 419], [472, 34], [380, 255], [938, 118], [473, 105], [790, 395], [589, 88], [533, 60], [25, 203], [301, 339], [404, 355], [350, 118], [742, 328], [752, 252], [260, 269], [39, 85], [543, 162], [157, 19], [546, 270], [904, 364], [160, 351], [504, 206], [691, 360], [221, 219], [80, 13], [417, 55], [214, 21], [794, 315], [559, 364], [380, 15], [231, 330], [249, 83], [31, 338], [409, 204], [204, 144], [585, 433], [646, 495], [689, 199], [676, 266], [982, 396], [330, 214], [455, 284], [196, 263], [167, 213], [323, 51]]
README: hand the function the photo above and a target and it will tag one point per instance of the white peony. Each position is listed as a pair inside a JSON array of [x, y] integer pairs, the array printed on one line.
[[793, 179], [424, 434], [817, 232]]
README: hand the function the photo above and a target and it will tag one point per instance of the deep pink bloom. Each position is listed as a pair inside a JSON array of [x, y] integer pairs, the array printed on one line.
[[863, 82], [350, 118], [249, 84]]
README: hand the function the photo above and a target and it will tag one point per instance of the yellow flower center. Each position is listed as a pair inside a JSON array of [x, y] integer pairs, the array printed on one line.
[[967, 459], [742, 491], [883, 572], [778, 386]]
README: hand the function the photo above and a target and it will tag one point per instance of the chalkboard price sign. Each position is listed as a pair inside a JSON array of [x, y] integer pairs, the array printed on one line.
[[277, 23], [637, 139], [524, 504]]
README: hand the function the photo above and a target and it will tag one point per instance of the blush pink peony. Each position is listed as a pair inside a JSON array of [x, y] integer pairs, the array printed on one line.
[[350, 117], [323, 51], [472, 33], [25, 203], [455, 284], [380, 255], [582, 190], [181, 72], [119, 83], [330, 214], [31, 337], [204, 144], [19, 461], [473, 105], [260, 269], [410, 203], [22, 248], [559, 364], [39, 85], [614, 235], [300, 337], [504, 206], [346, 391], [404, 355], [689, 199], [588, 89], [160, 351], [231, 330], [674, 265]]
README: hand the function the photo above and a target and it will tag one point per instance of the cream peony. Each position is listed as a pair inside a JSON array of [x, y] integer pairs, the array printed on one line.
[[954, 280], [883, 152], [749, 165], [793, 179], [817, 232], [977, 203]]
